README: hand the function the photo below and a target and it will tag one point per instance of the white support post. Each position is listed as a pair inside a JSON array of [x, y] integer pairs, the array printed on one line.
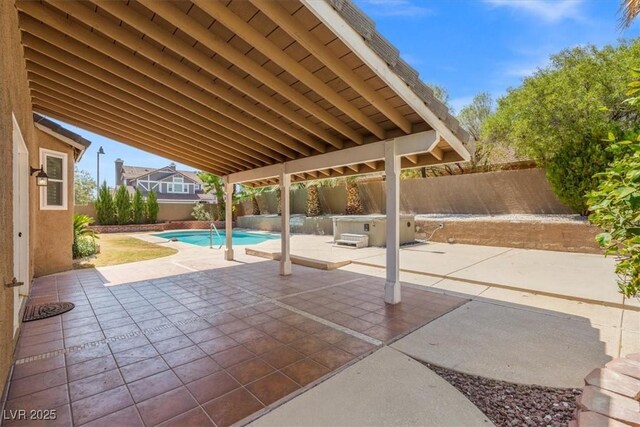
[[285, 255], [392, 172], [228, 220]]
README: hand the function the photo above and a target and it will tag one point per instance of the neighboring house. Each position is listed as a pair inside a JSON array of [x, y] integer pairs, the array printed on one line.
[[170, 184]]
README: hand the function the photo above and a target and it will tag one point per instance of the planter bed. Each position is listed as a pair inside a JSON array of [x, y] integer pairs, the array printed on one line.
[[161, 226]]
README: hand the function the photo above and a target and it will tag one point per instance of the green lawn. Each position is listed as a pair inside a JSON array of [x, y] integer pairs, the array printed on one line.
[[121, 249]]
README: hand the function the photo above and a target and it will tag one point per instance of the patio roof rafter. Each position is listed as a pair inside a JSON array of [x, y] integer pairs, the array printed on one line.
[[213, 42], [225, 149], [104, 115], [108, 105], [271, 128], [444, 124], [234, 23], [149, 77], [49, 102], [311, 43], [200, 59], [118, 135], [77, 81]]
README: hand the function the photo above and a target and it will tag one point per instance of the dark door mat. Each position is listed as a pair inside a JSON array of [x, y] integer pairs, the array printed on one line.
[[42, 311]]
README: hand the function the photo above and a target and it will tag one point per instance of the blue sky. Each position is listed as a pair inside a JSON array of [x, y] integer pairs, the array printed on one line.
[[465, 46]]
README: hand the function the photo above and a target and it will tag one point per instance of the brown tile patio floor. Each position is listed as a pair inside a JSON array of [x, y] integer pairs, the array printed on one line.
[[206, 348]]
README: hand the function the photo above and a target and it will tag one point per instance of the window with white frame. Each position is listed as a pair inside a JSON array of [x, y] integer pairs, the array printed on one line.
[[177, 185], [54, 195]]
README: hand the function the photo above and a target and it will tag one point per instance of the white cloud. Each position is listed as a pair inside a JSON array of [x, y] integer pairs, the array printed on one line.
[[404, 8], [549, 11]]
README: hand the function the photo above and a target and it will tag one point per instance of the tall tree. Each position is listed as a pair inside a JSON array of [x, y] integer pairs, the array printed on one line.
[[561, 114], [123, 205], [212, 183], [152, 207], [84, 187], [580, 92], [105, 207]]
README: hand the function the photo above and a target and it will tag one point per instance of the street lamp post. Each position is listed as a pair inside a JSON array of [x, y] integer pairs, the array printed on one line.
[[100, 151]]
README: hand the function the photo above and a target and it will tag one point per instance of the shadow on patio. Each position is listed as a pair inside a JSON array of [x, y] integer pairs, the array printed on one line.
[[213, 346]]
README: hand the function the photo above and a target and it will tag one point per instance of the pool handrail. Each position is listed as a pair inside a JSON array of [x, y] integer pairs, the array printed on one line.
[[211, 229]]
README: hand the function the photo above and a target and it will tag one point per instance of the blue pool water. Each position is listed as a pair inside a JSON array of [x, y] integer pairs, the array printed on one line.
[[201, 237]]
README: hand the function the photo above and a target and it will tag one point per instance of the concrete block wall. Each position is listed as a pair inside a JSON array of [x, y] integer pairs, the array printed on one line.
[[553, 236]]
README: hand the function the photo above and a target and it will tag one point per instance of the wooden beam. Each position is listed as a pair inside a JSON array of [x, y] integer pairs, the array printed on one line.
[[191, 27], [226, 17], [118, 135], [172, 147], [114, 86], [352, 157], [277, 130], [161, 36], [121, 62], [325, 172], [339, 169], [413, 158], [141, 126], [114, 106], [371, 165], [311, 43], [354, 41], [437, 153]]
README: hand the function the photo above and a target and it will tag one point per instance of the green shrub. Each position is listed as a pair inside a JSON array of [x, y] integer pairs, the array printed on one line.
[[122, 201], [105, 207], [572, 168], [152, 207], [84, 247], [202, 212], [138, 208], [616, 209], [84, 239]]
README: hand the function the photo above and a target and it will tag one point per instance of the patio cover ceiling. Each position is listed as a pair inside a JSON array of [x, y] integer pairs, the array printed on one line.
[[232, 86]]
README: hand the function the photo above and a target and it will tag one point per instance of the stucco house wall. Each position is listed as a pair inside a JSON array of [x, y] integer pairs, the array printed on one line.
[[14, 100], [53, 249]]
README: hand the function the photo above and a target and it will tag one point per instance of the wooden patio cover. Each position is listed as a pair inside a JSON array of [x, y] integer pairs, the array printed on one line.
[[231, 86]]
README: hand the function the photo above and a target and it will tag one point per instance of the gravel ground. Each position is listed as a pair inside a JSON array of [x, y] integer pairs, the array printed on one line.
[[506, 217], [509, 404]]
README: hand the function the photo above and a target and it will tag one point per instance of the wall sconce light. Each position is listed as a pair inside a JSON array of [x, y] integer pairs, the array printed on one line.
[[42, 180]]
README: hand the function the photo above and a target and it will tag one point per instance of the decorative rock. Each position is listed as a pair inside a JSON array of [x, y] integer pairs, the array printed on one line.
[[610, 404], [625, 366], [611, 380]]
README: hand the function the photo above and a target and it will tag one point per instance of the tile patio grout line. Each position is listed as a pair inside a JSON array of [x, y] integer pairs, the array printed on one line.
[[150, 331], [325, 322]]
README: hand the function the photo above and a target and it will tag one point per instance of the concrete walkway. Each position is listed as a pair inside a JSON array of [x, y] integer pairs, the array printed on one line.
[[584, 277], [512, 344], [386, 388]]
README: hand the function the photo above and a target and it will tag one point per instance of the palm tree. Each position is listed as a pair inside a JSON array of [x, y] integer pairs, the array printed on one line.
[[354, 203], [630, 10], [250, 193], [312, 206]]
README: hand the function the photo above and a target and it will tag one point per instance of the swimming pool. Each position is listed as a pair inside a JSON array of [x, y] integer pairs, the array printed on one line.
[[201, 237]]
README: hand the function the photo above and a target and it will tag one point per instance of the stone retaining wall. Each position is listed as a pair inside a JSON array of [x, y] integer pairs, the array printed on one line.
[[162, 226], [553, 236]]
